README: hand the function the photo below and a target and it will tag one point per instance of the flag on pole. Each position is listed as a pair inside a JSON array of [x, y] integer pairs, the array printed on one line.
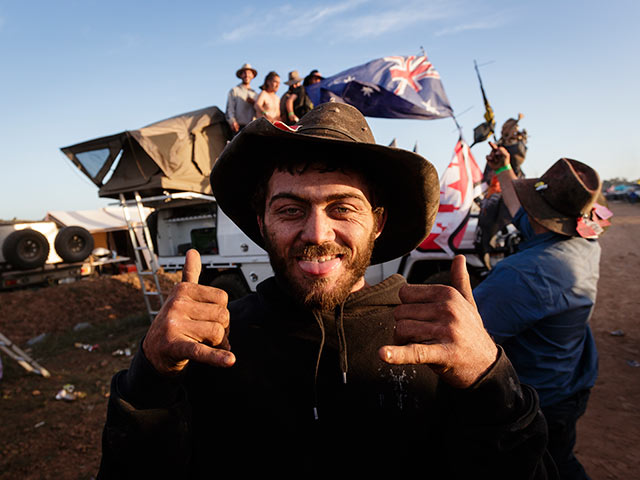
[[488, 127], [459, 185], [389, 87]]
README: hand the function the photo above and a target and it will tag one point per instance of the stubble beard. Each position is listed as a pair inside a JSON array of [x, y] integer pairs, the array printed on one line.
[[312, 293]]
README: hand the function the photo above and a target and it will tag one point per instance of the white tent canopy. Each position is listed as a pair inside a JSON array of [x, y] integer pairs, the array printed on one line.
[[107, 219]]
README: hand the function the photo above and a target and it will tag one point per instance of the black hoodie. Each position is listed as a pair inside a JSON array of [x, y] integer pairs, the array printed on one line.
[[309, 396]]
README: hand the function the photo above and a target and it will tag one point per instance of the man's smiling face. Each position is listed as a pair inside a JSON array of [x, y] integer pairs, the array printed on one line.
[[319, 230]]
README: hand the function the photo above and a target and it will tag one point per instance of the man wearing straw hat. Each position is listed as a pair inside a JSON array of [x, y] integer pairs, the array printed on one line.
[[538, 302], [295, 103], [318, 372], [241, 99]]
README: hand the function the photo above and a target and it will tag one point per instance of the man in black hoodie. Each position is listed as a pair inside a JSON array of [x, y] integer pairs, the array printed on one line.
[[318, 372]]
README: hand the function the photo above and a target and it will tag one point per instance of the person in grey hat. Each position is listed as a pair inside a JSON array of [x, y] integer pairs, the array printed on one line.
[[537, 303], [319, 373], [241, 99], [295, 103]]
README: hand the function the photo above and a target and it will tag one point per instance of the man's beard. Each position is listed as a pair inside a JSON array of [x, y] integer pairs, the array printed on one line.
[[311, 293]]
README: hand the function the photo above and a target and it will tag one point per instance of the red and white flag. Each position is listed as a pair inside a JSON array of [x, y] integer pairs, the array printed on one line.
[[459, 185]]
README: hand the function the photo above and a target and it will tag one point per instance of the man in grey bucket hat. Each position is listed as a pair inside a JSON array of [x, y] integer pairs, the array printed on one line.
[[318, 372]]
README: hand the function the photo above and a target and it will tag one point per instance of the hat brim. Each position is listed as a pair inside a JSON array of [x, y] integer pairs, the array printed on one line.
[[537, 207], [252, 70], [408, 182], [293, 81]]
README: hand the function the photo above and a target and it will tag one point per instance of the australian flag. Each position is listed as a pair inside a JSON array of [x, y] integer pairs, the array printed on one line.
[[389, 87]]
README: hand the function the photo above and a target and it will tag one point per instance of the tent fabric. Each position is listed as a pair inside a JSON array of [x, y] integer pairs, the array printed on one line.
[[107, 219], [176, 154]]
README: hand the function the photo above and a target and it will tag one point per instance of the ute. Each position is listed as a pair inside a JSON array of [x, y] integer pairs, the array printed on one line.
[[166, 166]]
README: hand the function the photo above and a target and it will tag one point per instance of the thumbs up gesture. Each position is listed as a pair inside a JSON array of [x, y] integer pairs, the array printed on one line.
[[191, 325], [440, 326]]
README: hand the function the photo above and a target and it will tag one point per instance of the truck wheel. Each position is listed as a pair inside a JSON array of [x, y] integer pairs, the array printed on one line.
[[73, 244], [232, 284], [444, 278], [438, 278], [25, 249]]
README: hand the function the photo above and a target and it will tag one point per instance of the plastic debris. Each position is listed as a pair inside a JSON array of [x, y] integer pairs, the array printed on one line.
[[37, 339], [39, 424], [86, 346], [81, 326], [617, 333], [122, 352], [67, 393], [633, 363]]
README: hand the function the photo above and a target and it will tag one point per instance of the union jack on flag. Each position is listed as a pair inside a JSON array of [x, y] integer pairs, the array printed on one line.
[[408, 70], [389, 87]]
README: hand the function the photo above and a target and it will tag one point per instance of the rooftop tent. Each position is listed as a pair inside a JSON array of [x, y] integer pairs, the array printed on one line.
[[176, 154]]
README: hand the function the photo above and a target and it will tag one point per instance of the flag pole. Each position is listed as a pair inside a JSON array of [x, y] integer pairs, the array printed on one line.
[[455, 120], [489, 117]]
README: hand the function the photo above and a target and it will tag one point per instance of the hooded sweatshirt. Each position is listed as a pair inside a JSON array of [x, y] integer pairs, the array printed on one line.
[[309, 396]]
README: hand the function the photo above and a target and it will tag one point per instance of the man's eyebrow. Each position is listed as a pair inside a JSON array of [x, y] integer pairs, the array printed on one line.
[[329, 198]]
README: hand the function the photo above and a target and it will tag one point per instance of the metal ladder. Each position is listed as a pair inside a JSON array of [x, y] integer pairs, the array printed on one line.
[[24, 360], [145, 258]]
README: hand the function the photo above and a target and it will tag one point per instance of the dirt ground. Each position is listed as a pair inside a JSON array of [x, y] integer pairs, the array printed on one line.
[[45, 438]]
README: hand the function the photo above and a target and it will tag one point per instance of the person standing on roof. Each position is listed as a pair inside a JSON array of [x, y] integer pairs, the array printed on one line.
[[241, 99], [295, 103], [313, 77], [268, 104]]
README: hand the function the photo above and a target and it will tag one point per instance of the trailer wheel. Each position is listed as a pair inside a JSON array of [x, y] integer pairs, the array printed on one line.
[[231, 283], [25, 249], [73, 244]]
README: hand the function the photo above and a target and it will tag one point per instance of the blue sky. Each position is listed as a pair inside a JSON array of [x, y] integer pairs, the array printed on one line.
[[76, 70]]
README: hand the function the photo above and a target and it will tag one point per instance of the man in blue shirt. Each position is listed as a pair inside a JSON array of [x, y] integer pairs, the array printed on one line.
[[537, 303]]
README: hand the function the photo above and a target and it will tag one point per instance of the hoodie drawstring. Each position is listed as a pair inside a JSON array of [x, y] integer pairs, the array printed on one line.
[[318, 317], [342, 345], [342, 341]]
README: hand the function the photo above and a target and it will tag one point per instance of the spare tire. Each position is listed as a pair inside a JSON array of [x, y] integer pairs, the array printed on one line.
[[25, 249], [231, 283], [73, 244]]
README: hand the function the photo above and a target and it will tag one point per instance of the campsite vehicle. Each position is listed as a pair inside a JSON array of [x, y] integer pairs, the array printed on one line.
[[166, 166], [37, 252]]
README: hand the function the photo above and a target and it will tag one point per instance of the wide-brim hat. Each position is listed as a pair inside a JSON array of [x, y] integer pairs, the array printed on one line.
[[561, 196], [247, 66], [407, 183], [294, 77]]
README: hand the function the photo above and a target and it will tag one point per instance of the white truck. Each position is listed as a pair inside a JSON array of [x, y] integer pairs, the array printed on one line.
[[167, 164], [233, 262]]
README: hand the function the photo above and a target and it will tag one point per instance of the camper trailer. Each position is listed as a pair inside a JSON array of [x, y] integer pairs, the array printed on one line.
[[166, 166], [42, 252]]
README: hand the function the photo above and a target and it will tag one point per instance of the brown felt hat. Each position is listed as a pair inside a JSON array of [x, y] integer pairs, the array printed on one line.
[[407, 183], [562, 195]]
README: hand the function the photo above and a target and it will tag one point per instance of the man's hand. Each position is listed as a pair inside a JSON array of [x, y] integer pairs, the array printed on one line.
[[440, 326], [191, 325], [235, 127], [499, 156]]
